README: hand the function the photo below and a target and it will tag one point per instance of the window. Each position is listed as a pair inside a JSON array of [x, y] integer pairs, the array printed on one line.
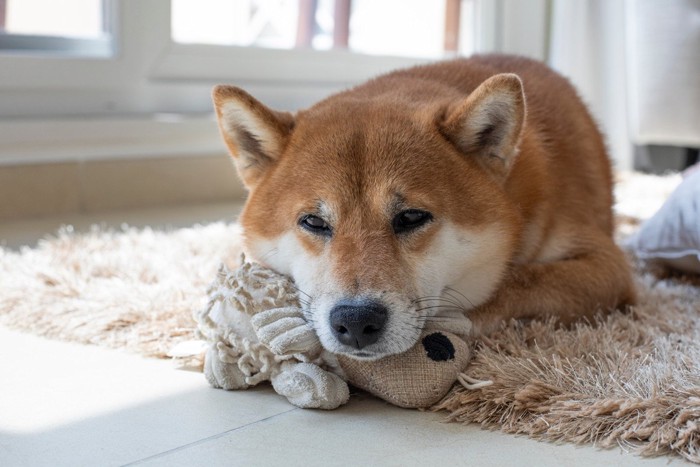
[[74, 27], [140, 57], [409, 28], [271, 23], [120, 78]]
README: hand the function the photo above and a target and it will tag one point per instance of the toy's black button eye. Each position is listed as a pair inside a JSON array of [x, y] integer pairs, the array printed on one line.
[[410, 219], [315, 225], [438, 347]]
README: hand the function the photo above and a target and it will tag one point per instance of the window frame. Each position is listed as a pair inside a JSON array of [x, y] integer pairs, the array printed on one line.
[[48, 45], [42, 45], [148, 74]]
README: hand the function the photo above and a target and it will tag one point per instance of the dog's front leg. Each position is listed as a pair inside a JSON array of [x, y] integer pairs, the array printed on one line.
[[593, 277]]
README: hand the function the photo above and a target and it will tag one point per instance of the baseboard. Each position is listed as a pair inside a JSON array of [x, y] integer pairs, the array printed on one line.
[[38, 190]]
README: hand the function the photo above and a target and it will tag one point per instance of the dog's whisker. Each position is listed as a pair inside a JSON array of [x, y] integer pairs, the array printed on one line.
[[436, 320], [448, 305], [450, 289], [269, 253], [448, 293], [443, 307], [430, 297], [422, 300], [436, 298], [300, 291]]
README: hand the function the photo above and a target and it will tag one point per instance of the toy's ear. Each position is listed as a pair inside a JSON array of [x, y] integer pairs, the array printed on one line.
[[255, 134], [489, 122]]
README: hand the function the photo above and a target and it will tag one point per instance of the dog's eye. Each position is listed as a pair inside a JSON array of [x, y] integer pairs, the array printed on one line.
[[410, 219], [315, 225]]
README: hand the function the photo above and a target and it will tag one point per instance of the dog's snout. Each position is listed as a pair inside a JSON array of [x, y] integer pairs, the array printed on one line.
[[358, 324]]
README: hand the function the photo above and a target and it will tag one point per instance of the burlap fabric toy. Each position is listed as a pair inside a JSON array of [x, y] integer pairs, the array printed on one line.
[[257, 332]]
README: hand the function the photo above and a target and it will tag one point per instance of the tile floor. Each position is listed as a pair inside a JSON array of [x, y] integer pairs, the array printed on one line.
[[73, 405]]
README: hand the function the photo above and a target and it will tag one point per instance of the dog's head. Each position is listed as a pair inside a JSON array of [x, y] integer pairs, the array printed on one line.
[[377, 207]]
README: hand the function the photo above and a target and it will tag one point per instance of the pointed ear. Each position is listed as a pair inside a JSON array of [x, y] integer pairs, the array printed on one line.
[[488, 123], [255, 135]]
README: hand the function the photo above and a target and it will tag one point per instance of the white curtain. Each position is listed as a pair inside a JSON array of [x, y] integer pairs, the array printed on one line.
[[587, 44], [663, 57], [637, 64]]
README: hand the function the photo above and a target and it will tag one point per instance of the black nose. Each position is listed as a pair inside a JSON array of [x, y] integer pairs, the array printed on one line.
[[358, 324]]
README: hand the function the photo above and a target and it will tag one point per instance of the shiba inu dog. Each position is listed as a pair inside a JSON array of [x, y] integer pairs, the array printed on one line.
[[479, 187]]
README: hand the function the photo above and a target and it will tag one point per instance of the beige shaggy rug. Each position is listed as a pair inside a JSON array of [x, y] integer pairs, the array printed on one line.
[[631, 379]]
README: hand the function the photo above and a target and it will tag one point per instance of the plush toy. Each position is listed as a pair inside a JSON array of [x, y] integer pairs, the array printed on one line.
[[256, 332]]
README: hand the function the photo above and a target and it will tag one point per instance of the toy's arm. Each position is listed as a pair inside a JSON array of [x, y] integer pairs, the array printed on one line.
[[285, 331], [310, 387]]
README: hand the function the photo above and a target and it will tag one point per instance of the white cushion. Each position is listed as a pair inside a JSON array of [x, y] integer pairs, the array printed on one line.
[[672, 235]]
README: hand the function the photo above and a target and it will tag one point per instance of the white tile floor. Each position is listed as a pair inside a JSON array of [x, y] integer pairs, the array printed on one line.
[[73, 405]]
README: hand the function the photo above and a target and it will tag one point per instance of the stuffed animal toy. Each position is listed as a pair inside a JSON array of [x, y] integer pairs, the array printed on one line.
[[256, 331]]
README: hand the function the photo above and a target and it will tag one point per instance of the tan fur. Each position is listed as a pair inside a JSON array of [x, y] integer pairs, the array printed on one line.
[[499, 149]]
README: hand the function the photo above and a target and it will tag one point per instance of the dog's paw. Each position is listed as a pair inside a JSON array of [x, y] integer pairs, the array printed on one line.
[[222, 374], [285, 331], [308, 386]]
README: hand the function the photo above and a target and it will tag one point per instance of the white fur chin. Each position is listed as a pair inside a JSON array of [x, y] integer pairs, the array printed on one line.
[[470, 261]]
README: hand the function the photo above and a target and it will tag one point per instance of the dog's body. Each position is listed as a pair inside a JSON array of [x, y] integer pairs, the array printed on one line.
[[451, 186]]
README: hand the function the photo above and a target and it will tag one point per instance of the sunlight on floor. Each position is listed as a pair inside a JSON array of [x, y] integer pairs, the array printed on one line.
[[54, 384]]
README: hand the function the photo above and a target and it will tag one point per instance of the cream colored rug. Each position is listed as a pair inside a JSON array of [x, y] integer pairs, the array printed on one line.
[[631, 380], [130, 289]]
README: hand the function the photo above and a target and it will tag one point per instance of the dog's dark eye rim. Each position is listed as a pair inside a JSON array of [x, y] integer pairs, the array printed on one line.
[[315, 225], [410, 219]]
